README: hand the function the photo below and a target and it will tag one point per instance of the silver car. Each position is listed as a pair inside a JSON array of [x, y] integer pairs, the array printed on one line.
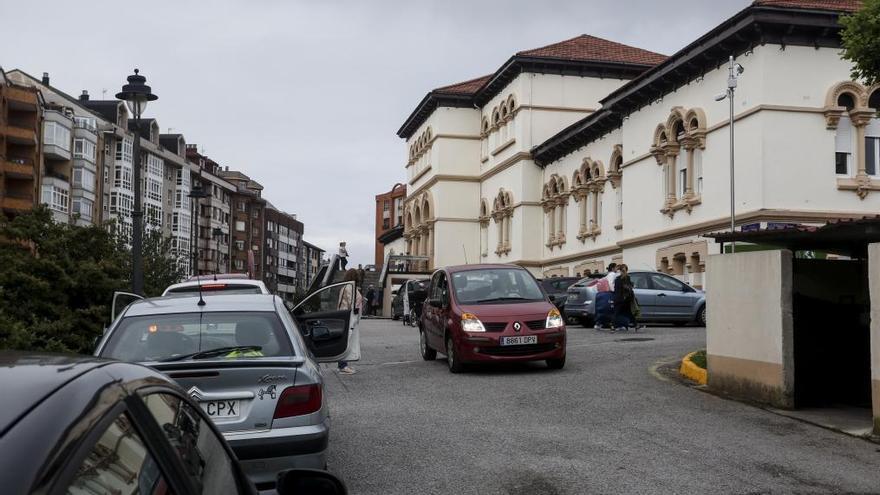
[[251, 364], [662, 298]]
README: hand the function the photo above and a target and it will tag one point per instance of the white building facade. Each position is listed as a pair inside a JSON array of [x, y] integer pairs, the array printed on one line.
[[585, 152]]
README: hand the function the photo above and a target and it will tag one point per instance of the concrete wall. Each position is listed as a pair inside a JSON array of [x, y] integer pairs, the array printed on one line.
[[749, 333], [874, 287]]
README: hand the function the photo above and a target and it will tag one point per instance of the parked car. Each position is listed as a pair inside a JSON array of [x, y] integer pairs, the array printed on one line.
[[81, 425], [250, 364], [224, 283], [557, 289], [662, 298], [407, 303], [490, 313]]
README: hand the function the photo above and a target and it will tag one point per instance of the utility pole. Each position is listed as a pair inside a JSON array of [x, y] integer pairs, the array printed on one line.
[[734, 71]]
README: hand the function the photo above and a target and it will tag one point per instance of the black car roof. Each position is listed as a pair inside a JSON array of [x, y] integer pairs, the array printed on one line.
[[28, 378]]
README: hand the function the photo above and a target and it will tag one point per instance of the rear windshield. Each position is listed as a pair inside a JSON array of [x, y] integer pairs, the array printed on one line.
[[495, 285], [156, 337], [214, 288]]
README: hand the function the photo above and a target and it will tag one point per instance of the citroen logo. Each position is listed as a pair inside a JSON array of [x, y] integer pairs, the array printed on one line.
[[516, 326], [195, 393]]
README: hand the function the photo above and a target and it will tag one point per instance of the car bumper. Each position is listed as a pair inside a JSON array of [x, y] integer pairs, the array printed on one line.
[[580, 310], [263, 454], [487, 348]]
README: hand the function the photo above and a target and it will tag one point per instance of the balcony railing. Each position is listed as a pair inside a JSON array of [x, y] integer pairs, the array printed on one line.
[[57, 175], [17, 201], [18, 167], [22, 95]]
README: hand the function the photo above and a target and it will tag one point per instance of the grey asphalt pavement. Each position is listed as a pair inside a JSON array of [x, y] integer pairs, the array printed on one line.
[[607, 423]]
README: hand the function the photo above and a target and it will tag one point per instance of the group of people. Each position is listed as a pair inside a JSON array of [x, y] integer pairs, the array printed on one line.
[[616, 304]]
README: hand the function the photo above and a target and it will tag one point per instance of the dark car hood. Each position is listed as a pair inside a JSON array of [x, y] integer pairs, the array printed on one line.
[[508, 309]]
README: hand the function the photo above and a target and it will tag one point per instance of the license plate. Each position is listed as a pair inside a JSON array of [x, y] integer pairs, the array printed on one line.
[[526, 339], [221, 408]]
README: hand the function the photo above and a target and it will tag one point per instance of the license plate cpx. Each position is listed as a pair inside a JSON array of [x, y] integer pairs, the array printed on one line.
[[221, 408]]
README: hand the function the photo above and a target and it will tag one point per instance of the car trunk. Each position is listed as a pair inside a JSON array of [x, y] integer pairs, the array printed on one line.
[[240, 394]]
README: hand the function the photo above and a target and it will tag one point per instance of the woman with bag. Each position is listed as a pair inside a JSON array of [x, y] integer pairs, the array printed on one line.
[[624, 299]]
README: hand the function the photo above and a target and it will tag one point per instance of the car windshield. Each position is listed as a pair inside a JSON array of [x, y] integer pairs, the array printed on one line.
[[495, 285], [214, 288], [165, 336]]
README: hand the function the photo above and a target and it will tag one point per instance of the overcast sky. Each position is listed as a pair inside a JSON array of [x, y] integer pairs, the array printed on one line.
[[306, 96]]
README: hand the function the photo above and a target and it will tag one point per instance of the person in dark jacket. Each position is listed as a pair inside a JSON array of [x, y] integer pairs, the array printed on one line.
[[624, 298]]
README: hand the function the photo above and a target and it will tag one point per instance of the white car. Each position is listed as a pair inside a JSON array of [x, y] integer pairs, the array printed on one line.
[[226, 283]]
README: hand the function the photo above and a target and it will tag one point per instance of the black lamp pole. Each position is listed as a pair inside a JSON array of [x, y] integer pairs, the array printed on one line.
[[136, 94]]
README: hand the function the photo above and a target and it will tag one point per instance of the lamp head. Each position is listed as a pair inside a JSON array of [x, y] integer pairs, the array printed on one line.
[[136, 94]]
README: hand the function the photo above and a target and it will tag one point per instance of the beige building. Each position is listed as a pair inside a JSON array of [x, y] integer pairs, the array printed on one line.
[[586, 151]]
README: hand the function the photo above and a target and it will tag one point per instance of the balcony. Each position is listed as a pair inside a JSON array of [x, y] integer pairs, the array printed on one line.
[[19, 135], [55, 152], [19, 168], [17, 201], [20, 98]]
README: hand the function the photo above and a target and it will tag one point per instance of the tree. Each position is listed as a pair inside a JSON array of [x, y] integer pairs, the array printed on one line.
[[57, 280], [861, 41]]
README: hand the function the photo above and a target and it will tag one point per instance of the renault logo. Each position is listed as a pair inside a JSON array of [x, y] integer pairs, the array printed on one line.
[[516, 326]]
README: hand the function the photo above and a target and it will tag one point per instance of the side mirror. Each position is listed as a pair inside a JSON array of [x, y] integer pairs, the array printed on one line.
[[320, 333], [300, 481]]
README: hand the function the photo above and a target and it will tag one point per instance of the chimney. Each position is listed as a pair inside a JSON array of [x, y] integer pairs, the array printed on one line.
[[45, 79], [84, 96]]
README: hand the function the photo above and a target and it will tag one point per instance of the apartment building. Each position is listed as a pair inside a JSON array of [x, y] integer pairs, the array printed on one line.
[[21, 155], [178, 204], [314, 258], [247, 224], [212, 222], [586, 151], [389, 221], [284, 255]]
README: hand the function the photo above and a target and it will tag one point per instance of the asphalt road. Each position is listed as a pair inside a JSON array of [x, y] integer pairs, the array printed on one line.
[[607, 423]]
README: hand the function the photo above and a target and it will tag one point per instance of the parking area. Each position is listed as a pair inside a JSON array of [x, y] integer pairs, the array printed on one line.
[[606, 423]]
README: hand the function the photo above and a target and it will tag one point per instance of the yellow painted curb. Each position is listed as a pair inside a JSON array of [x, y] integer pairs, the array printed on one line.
[[691, 371]]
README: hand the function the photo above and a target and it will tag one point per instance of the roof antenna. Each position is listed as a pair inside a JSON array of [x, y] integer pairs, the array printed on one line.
[[199, 283]]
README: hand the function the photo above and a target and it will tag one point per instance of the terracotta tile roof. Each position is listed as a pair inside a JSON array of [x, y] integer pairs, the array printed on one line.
[[591, 48], [468, 87], [835, 5]]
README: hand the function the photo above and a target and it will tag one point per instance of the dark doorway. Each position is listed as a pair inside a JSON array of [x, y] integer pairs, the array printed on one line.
[[832, 356]]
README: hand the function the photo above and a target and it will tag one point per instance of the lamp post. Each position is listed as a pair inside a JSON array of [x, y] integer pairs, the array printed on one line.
[[734, 71], [196, 193], [136, 95]]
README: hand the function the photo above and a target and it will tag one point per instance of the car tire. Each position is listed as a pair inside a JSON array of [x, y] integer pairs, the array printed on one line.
[[425, 350], [701, 316], [556, 364], [452, 360], [394, 316]]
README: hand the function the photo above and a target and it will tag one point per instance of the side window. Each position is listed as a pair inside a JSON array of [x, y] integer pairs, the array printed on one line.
[[334, 298], [198, 449], [119, 463], [663, 282], [640, 281]]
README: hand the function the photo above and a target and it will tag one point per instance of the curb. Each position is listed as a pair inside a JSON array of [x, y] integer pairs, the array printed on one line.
[[691, 371]]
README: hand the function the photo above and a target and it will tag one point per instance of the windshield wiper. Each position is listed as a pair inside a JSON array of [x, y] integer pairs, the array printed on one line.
[[491, 299], [212, 353]]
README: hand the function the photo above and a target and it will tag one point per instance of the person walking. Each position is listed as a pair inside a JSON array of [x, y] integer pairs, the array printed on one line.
[[624, 299], [360, 276], [604, 293], [350, 276], [371, 300], [343, 256]]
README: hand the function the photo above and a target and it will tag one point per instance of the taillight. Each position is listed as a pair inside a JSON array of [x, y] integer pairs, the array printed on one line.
[[299, 400]]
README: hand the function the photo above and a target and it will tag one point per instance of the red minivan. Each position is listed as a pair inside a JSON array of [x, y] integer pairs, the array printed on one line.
[[490, 313]]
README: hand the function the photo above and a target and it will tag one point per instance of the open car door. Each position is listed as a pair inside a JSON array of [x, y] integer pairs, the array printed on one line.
[[328, 320]]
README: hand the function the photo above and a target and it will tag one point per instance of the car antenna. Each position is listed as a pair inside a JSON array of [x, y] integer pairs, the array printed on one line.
[[201, 299]]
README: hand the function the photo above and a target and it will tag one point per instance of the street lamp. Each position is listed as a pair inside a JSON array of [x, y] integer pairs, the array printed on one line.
[[734, 71], [196, 193], [136, 95]]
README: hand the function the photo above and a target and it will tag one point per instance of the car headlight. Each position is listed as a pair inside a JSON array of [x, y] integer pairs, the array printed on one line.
[[470, 323], [554, 319]]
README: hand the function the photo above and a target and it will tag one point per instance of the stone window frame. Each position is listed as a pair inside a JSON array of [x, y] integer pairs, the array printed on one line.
[[666, 149], [502, 213], [615, 176], [418, 227], [860, 115], [484, 218], [554, 200], [590, 179], [421, 146]]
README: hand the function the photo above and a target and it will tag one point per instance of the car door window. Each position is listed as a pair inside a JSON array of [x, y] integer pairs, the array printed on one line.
[[198, 449], [334, 298], [639, 280], [663, 282], [119, 464]]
